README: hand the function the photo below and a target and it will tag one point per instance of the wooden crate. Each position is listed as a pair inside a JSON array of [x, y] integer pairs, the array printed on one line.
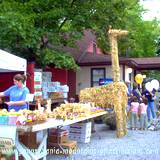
[[28, 139], [57, 136], [57, 139]]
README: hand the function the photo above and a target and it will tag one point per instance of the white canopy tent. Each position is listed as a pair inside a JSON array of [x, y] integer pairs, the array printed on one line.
[[11, 63]]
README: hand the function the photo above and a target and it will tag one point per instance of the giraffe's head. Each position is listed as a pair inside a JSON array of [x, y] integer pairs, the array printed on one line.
[[117, 32]]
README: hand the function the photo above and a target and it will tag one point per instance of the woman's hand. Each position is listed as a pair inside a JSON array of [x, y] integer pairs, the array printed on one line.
[[11, 103], [16, 103]]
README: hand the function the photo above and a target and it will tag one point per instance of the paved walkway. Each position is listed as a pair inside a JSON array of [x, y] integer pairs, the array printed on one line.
[[136, 145]]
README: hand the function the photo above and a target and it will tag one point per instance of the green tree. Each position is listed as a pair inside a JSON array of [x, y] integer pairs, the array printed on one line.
[[28, 26], [142, 39], [39, 29], [158, 46]]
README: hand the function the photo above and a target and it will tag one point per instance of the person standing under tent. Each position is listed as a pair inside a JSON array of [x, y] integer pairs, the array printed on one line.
[[17, 93]]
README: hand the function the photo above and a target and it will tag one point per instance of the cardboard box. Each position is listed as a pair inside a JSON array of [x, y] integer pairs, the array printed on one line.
[[80, 132], [83, 135], [81, 125], [80, 138], [86, 131]]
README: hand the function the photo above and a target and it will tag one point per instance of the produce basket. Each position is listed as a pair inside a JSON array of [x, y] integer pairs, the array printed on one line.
[[12, 120], [4, 120]]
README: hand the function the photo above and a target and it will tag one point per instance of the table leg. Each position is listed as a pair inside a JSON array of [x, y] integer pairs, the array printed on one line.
[[36, 154]]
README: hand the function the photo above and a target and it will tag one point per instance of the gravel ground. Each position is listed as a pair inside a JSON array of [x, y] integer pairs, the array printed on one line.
[[136, 145]]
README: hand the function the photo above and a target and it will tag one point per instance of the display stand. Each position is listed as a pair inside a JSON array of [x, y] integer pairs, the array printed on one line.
[[29, 154], [11, 133]]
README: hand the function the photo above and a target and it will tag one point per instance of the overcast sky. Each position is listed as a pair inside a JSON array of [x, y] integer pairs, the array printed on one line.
[[154, 9]]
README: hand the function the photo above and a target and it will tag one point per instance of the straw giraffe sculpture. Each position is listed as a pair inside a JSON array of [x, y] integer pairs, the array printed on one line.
[[119, 108], [113, 95], [113, 36]]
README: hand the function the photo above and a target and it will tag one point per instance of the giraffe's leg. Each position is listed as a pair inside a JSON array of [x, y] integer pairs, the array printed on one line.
[[124, 119], [121, 131]]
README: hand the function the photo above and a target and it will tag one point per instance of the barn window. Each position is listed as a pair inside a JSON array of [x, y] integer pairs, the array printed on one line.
[[96, 74]]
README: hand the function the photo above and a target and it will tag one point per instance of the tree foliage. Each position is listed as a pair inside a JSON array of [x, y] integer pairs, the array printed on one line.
[[158, 46], [38, 29]]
